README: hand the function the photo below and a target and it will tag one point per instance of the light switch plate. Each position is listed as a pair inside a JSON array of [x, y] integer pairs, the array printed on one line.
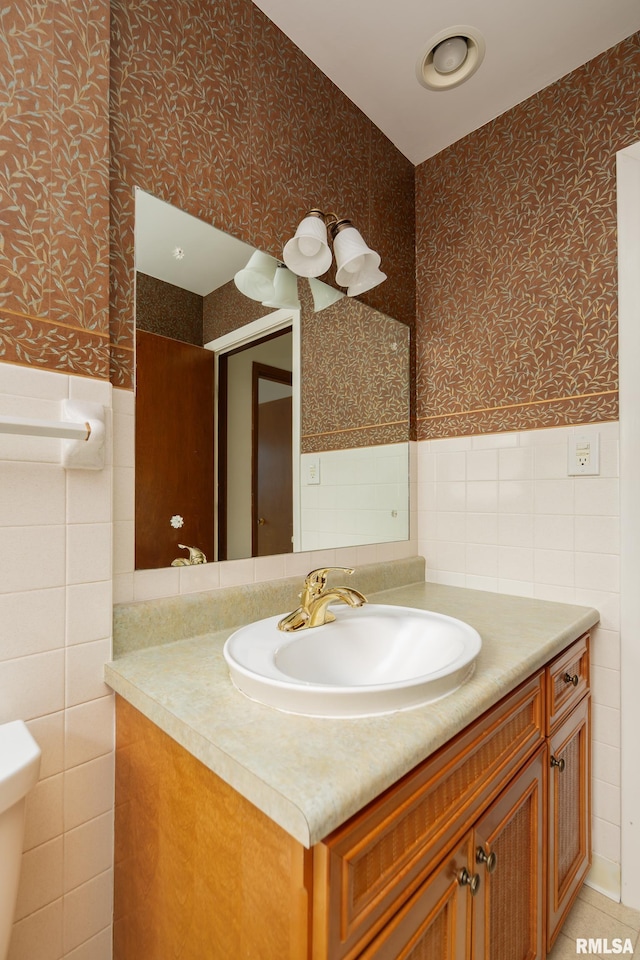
[[312, 470]]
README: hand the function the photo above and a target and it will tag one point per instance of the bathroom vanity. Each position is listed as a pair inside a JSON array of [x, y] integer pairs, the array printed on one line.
[[454, 830]]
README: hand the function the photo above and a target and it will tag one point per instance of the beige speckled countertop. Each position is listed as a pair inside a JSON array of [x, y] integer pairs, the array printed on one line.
[[310, 775]]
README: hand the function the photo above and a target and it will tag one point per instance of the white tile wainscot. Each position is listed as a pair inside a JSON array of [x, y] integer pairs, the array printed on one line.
[[500, 512], [55, 635]]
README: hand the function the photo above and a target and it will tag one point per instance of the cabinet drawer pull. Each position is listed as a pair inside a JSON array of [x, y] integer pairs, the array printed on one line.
[[560, 764], [573, 679], [471, 880], [490, 860]]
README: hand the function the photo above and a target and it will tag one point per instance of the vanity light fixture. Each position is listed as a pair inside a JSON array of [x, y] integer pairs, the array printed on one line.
[[451, 57], [256, 280], [308, 254], [356, 264], [323, 295], [285, 290], [268, 281]]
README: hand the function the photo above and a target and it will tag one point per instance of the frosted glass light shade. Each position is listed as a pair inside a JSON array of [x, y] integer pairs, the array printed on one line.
[[352, 256], [365, 280], [308, 253], [285, 290], [450, 54], [256, 279], [323, 295]]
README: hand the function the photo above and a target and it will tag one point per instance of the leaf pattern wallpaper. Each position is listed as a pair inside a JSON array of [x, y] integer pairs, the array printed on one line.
[[167, 310], [516, 259], [216, 111], [352, 398], [226, 309], [511, 283], [54, 181]]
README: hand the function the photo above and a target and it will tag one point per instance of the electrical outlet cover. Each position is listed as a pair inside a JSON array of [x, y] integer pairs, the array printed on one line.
[[584, 455]]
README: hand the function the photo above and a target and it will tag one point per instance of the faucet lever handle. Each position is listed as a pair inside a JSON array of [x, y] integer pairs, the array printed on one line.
[[316, 580]]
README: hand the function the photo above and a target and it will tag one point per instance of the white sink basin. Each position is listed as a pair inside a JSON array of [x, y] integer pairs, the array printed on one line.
[[372, 660]]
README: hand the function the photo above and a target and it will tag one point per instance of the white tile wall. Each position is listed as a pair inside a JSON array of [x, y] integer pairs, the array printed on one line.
[[501, 513], [55, 635], [362, 497]]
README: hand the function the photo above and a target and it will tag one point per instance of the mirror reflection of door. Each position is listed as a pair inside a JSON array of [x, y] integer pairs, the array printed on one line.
[[174, 450], [272, 495], [238, 455]]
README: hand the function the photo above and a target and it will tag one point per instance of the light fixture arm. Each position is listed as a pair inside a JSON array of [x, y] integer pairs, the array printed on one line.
[[330, 219]]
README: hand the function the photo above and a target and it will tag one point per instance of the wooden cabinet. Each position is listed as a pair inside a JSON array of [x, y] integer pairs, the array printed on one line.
[[366, 869], [477, 854]]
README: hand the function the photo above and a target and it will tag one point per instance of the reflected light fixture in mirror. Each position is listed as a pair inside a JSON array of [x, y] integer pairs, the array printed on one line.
[[285, 290], [256, 280], [269, 282], [322, 294], [308, 254]]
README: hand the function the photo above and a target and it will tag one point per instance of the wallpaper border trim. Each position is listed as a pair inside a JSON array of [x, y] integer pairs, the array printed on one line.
[[370, 426], [529, 415], [524, 403], [20, 314], [53, 345]]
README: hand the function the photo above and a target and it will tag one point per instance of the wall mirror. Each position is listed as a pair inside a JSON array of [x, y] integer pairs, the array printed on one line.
[[272, 412]]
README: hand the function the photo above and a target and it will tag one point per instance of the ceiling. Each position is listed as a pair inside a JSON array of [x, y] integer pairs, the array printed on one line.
[[180, 249], [370, 48]]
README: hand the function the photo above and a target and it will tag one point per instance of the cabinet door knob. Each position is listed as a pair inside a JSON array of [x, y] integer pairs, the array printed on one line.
[[560, 764], [572, 678], [471, 880], [490, 860], [261, 521]]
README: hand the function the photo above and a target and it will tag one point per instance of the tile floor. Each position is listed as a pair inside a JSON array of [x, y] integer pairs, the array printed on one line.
[[596, 916]]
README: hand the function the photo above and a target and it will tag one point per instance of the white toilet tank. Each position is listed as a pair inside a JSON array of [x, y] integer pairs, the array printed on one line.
[[19, 767]]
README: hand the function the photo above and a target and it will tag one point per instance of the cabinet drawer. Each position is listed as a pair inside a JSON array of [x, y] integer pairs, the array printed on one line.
[[366, 868], [567, 681]]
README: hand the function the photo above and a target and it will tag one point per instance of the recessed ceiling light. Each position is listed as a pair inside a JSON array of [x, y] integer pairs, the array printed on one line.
[[450, 58], [178, 253]]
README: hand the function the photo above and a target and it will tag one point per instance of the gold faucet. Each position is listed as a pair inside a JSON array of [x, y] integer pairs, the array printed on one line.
[[315, 599]]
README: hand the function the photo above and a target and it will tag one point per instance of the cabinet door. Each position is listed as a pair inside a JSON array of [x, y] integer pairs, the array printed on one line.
[[508, 850], [569, 814], [435, 923]]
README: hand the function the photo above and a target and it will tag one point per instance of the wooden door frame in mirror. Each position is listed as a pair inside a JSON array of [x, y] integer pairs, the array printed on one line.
[[258, 329]]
